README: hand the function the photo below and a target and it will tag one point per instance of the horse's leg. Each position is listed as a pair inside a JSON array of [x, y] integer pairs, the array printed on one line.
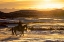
[[15, 32], [12, 31], [26, 29], [20, 33], [23, 33]]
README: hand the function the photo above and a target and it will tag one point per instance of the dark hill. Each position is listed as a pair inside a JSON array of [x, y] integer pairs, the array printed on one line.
[[58, 13]]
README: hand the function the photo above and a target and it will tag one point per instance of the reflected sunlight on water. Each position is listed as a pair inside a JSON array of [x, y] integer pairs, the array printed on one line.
[[37, 35]]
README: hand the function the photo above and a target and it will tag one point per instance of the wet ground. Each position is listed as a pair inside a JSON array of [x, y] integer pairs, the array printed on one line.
[[32, 36]]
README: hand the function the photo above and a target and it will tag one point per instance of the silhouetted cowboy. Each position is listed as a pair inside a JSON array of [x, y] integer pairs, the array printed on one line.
[[20, 28], [20, 23]]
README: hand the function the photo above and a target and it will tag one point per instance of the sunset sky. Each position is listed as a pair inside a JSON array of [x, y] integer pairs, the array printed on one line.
[[33, 4]]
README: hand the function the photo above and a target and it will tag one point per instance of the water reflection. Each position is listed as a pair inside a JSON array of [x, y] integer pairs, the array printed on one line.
[[42, 26]]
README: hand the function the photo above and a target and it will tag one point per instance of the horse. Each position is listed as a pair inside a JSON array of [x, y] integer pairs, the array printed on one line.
[[21, 29]]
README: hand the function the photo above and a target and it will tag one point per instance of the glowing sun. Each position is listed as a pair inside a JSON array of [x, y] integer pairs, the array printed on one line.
[[45, 6], [48, 4]]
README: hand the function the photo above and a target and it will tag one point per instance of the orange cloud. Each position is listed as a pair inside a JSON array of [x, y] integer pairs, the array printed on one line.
[[29, 3]]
